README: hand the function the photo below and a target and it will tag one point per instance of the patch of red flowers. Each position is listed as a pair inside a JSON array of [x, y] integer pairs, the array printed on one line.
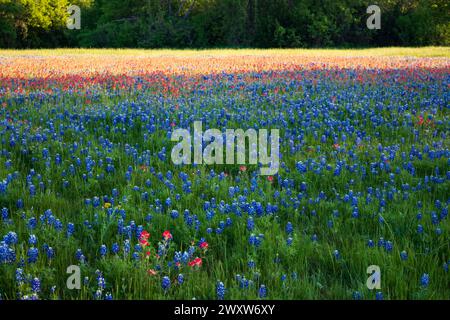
[[196, 262]]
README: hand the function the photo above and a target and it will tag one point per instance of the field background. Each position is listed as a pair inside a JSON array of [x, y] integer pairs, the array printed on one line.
[[119, 92]]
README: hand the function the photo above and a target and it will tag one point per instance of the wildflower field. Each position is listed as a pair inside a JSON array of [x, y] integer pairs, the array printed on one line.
[[86, 177]]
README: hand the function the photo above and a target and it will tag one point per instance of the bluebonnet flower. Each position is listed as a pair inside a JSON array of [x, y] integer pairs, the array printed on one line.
[[165, 284], [289, 228], [425, 280], [32, 190], [330, 224], [78, 254], [32, 240], [254, 240], [126, 247], [53, 290], [32, 223], [49, 252], [3, 186], [419, 229], [70, 229], [357, 295], [289, 241], [20, 277], [108, 296], [101, 283], [136, 256], [10, 238], [220, 290], [250, 224], [58, 225], [174, 214], [98, 294], [33, 254], [379, 295], [180, 278], [404, 255], [96, 202], [103, 250], [388, 246], [336, 254], [262, 292], [244, 283], [115, 248], [35, 285], [5, 213]]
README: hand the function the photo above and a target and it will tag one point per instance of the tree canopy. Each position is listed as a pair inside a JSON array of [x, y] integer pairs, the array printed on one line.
[[223, 23]]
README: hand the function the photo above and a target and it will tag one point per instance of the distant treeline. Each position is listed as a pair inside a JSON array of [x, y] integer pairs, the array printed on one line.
[[223, 23]]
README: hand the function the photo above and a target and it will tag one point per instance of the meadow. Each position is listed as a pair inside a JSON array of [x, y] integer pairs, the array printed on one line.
[[86, 176]]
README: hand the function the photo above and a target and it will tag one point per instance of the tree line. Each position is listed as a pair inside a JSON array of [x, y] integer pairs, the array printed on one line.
[[223, 23]]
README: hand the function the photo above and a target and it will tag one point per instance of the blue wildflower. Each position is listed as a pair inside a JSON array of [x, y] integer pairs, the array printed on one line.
[[165, 284], [262, 292], [103, 250], [35, 285], [425, 280], [220, 290], [33, 254]]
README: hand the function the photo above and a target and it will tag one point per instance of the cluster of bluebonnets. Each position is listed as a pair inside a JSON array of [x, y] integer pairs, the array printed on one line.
[[86, 179]]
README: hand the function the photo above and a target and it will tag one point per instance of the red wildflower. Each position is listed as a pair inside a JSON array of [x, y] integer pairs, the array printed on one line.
[[270, 178], [204, 245], [420, 122], [151, 272], [143, 237], [196, 262], [167, 235], [336, 145], [243, 168]]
